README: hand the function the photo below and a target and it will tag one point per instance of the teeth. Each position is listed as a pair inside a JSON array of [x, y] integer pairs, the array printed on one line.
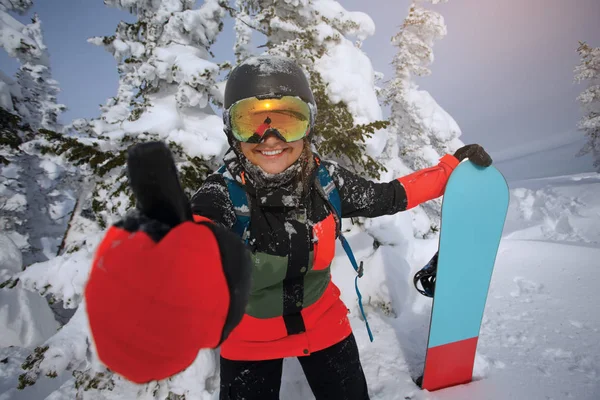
[[272, 153]]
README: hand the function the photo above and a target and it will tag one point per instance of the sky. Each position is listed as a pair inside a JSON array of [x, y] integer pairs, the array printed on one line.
[[504, 71]]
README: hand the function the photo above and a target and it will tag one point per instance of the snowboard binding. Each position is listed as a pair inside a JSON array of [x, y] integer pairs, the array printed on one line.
[[426, 276]]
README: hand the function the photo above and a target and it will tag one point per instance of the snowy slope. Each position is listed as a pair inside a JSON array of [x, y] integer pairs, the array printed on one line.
[[552, 156], [539, 338]]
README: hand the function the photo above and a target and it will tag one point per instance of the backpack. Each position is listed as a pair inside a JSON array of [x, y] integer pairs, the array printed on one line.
[[328, 191]]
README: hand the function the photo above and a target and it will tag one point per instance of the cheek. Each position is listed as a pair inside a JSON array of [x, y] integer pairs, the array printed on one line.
[[247, 149], [297, 148]]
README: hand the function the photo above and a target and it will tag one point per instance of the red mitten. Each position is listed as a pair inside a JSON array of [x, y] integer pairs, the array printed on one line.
[[153, 305]]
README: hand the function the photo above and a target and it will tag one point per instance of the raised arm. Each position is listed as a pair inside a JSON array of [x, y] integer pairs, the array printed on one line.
[[365, 198], [162, 287]]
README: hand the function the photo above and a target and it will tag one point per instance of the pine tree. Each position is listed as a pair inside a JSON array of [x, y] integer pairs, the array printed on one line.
[[243, 32], [166, 85], [589, 70], [38, 88], [32, 185], [37, 193], [18, 6], [316, 34], [423, 131], [33, 95]]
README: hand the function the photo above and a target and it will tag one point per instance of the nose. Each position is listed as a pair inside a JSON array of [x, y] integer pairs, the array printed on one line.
[[271, 138]]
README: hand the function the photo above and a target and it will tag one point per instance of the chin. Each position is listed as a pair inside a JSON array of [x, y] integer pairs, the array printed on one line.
[[272, 169]]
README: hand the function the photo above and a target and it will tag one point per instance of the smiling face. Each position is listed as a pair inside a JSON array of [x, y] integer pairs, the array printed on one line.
[[273, 155]]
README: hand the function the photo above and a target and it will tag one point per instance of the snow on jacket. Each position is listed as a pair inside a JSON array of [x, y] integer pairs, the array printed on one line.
[[294, 307]]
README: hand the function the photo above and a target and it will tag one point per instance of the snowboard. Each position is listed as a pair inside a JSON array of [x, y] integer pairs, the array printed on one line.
[[474, 209]]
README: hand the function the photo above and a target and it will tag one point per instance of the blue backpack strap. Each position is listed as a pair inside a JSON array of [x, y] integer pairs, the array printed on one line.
[[238, 197], [330, 190], [332, 195]]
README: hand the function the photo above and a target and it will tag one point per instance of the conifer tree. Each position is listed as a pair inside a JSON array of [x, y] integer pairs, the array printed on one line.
[[17, 6], [38, 88], [30, 186], [33, 94], [317, 35], [421, 130], [167, 82], [589, 71], [37, 191]]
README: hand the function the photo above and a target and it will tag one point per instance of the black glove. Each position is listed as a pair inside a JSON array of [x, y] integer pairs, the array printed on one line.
[[475, 153], [160, 201]]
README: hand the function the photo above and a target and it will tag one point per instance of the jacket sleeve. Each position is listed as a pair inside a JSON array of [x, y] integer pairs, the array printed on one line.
[[364, 198], [212, 202]]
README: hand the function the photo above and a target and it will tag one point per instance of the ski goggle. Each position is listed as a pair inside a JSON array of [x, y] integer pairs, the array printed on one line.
[[288, 117]]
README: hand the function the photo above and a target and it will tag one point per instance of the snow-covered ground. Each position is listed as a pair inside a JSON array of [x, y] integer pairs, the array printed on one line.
[[541, 329], [539, 338], [552, 156]]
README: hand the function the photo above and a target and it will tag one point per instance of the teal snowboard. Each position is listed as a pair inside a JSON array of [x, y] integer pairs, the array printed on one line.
[[474, 209]]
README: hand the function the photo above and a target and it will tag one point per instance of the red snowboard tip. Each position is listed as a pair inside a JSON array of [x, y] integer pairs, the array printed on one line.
[[449, 364]]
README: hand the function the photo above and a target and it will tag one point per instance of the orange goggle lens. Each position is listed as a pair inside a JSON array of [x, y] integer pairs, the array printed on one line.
[[251, 118]]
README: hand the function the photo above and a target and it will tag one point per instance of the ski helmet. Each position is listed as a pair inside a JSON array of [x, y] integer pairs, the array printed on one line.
[[267, 76]]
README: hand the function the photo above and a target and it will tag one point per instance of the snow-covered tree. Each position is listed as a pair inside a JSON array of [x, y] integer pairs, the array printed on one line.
[[33, 95], [243, 31], [35, 192], [166, 85], [317, 34], [422, 130], [589, 70], [18, 6], [38, 88]]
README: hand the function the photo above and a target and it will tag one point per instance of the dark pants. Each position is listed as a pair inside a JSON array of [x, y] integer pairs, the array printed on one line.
[[333, 373]]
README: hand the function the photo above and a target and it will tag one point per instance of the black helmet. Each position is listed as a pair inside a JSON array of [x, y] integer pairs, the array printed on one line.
[[267, 76]]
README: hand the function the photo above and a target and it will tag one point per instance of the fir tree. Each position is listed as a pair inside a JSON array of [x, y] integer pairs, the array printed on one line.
[[37, 191], [166, 85], [423, 131], [33, 95], [38, 88], [589, 70], [315, 34], [29, 181], [243, 32], [18, 6]]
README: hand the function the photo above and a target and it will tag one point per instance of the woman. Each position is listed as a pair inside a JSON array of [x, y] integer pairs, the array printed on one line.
[[294, 309]]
